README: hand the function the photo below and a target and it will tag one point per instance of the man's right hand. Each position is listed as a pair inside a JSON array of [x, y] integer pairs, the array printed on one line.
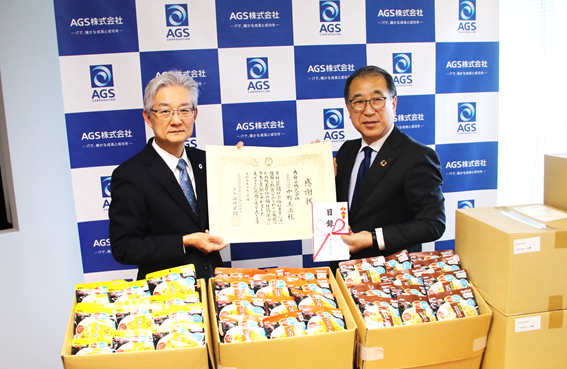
[[204, 242]]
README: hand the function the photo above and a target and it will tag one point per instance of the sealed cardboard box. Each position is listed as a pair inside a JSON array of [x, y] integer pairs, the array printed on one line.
[[449, 344], [515, 256], [320, 351], [555, 181], [526, 341], [194, 358]]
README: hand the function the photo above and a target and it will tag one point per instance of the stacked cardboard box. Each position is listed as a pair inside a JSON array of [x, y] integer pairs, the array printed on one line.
[[194, 358], [452, 344], [327, 350], [555, 181], [516, 258]]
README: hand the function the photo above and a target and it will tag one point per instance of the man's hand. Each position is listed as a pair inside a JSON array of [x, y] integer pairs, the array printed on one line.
[[204, 242], [358, 241], [239, 144]]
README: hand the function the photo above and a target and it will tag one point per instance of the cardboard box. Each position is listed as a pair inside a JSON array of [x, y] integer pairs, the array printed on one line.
[[555, 181], [194, 358], [449, 344], [321, 351], [526, 341], [515, 256]]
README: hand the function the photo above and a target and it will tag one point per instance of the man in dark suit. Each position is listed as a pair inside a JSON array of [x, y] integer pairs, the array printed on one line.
[[397, 204], [159, 214]]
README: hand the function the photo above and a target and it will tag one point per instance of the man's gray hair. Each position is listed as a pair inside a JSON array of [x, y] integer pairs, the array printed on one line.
[[170, 78]]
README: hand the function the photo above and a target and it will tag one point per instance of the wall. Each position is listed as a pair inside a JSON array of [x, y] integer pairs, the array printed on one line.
[[40, 261]]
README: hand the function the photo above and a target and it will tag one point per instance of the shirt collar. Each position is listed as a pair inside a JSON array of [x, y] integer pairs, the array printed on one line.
[[377, 145], [170, 160]]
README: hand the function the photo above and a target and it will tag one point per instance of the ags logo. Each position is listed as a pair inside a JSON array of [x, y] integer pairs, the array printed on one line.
[[105, 187], [258, 74], [177, 21], [334, 124], [465, 204], [467, 15], [330, 16], [467, 117], [103, 242], [101, 80], [402, 68], [192, 141]]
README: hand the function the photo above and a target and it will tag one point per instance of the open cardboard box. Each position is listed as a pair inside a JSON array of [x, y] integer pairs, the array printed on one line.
[[194, 358], [321, 351], [515, 256], [536, 340], [453, 344]]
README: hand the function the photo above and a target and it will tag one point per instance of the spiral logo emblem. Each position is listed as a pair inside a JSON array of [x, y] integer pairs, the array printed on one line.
[[402, 63], [467, 10], [258, 68], [102, 76], [177, 15], [329, 11], [333, 119], [467, 112], [105, 184], [466, 204]]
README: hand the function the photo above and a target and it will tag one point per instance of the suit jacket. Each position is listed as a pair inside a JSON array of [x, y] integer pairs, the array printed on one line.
[[401, 194], [149, 214]]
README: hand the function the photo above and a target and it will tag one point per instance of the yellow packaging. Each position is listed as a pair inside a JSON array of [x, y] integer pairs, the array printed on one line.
[[320, 351], [452, 344], [190, 358], [526, 341], [555, 181], [172, 281], [515, 256]]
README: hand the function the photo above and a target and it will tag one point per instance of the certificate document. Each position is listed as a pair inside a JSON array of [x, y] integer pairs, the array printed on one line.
[[259, 194]]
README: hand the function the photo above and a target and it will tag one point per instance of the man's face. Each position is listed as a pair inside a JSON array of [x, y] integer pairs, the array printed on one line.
[[372, 123], [171, 133]]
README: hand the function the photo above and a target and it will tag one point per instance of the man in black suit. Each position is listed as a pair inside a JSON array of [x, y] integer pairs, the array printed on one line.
[[398, 204], [154, 222]]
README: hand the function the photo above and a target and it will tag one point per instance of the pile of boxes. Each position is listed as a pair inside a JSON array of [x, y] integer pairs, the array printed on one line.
[[516, 257]]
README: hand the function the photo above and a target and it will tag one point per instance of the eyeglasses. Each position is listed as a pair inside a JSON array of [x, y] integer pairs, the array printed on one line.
[[166, 113], [360, 104]]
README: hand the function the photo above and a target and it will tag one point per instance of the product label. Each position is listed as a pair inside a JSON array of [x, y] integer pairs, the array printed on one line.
[[532, 323], [525, 245]]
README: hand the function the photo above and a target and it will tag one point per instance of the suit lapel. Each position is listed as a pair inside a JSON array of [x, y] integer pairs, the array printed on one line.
[[162, 173], [343, 178], [383, 162]]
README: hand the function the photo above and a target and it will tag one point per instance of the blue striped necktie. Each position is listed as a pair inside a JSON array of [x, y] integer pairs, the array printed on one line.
[[186, 185]]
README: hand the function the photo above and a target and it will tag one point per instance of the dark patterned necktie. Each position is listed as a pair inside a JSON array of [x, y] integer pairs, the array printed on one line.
[[362, 170], [186, 185]]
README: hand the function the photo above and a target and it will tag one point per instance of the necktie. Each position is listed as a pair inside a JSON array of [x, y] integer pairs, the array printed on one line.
[[362, 170], [186, 185]]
